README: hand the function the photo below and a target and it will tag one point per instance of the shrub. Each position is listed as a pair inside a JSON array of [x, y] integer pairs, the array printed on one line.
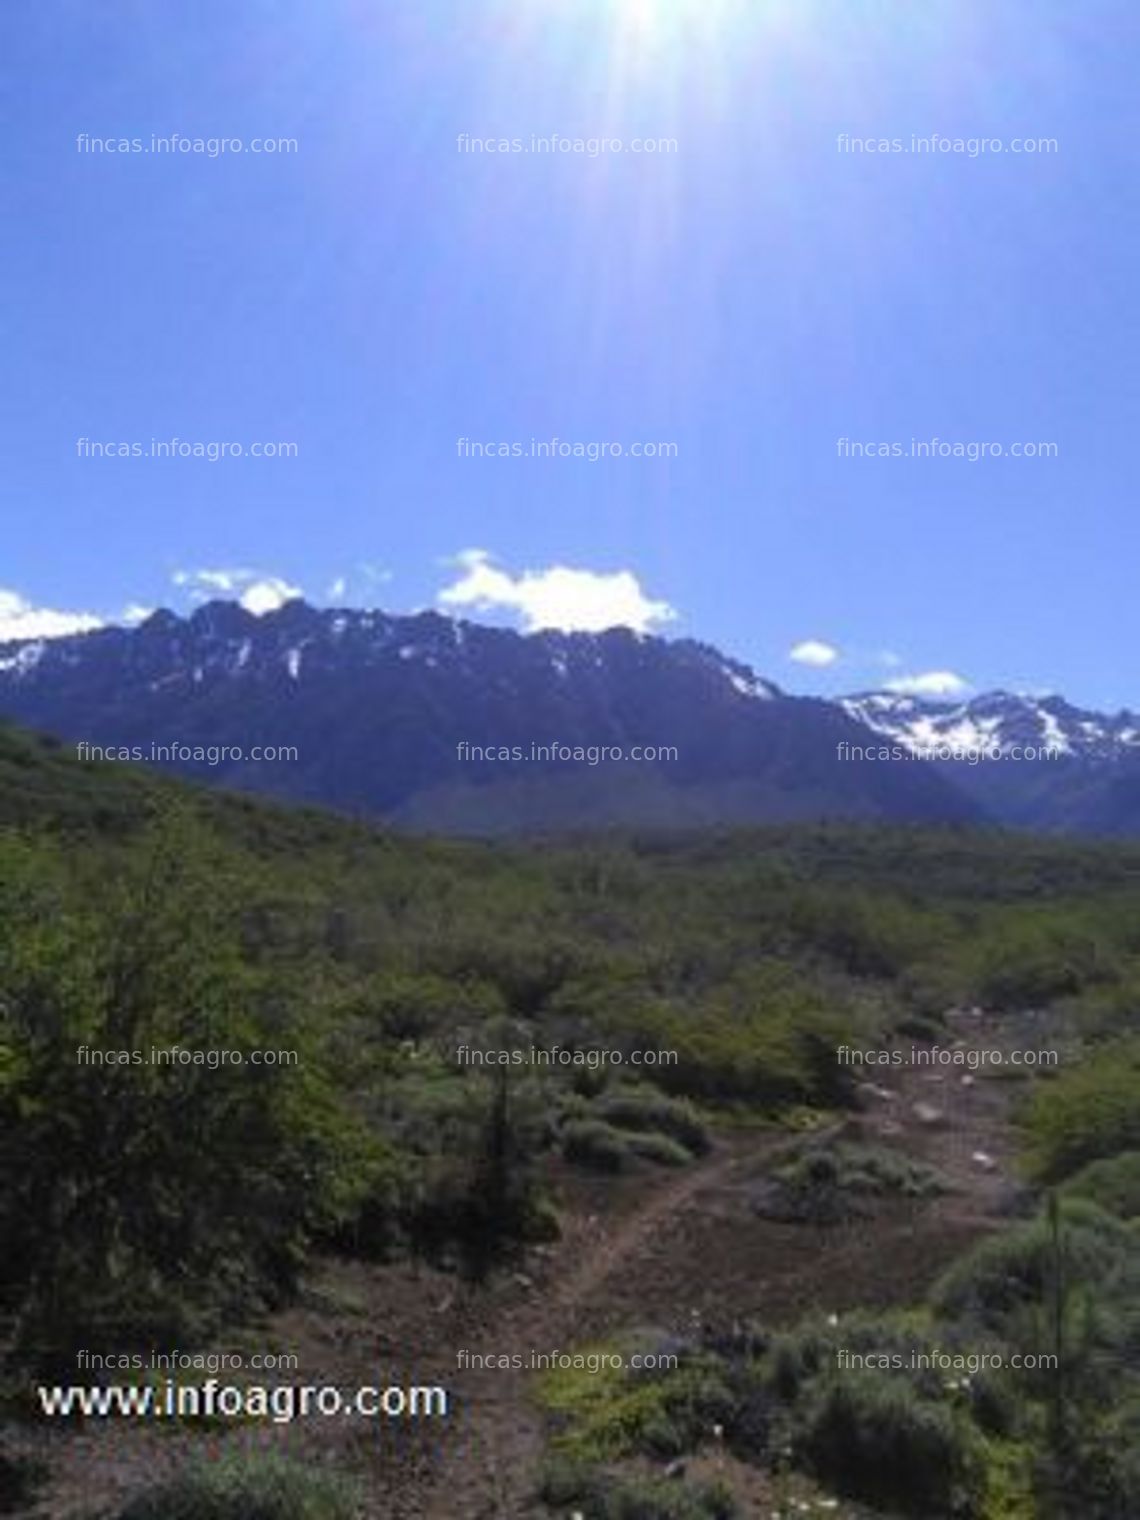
[[824, 1183], [598, 1495], [859, 1168], [648, 1110], [1031, 964], [1087, 1113], [1113, 1184], [595, 1145], [871, 1438], [659, 1149], [143, 1204], [245, 1488], [922, 1026], [1012, 1272]]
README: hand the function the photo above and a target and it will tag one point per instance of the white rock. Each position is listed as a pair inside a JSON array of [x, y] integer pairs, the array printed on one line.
[[926, 1113]]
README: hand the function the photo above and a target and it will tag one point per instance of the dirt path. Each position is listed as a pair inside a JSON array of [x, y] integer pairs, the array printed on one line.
[[489, 1470], [695, 1253]]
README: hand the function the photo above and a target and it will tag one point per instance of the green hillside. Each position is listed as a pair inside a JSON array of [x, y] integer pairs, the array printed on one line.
[[150, 1203]]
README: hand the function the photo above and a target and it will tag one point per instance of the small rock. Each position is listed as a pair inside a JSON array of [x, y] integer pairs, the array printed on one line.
[[873, 1090], [984, 1160], [967, 1081], [675, 1469], [926, 1113]]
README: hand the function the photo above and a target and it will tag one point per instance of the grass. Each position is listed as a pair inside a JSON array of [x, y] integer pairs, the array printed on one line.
[[244, 1488]]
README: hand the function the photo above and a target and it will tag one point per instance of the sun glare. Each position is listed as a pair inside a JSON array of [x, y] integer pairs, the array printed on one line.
[[659, 23]]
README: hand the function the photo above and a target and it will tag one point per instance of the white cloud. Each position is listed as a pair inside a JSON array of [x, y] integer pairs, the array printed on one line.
[[257, 593], [337, 588], [20, 620], [570, 600], [813, 652], [201, 582], [931, 683], [134, 613], [267, 595]]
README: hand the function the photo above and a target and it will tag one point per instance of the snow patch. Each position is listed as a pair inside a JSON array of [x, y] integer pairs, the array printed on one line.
[[747, 686], [25, 659]]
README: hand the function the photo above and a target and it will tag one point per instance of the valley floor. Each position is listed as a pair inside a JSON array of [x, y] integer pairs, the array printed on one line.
[[636, 1252]]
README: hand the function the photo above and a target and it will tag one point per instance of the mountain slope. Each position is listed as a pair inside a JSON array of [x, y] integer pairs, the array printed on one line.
[[1000, 720], [1032, 762], [378, 708]]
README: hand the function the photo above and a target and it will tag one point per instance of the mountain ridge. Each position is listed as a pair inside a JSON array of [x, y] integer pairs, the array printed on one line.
[[379, 705]]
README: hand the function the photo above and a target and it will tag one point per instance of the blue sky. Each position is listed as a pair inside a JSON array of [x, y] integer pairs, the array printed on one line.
[[747, 296]]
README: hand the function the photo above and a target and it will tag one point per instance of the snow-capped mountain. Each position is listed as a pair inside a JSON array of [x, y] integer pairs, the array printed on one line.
[[1034, 762], [447, 725], [379, 707], [998, 721]]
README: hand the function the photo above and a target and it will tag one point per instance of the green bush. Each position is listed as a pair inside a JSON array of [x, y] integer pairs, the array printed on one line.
[[1113, 1184], [146, 1201], [1086, 1113], [599, 1495], [1029, 964], [859, 1168], [871, 1438], [827, 1182], [659, 1149], [647, 1110], [991, 1286], [595, 1145], [244, 1488]]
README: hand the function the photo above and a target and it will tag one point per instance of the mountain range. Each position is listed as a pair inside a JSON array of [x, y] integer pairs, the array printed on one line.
[[437, 724]]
